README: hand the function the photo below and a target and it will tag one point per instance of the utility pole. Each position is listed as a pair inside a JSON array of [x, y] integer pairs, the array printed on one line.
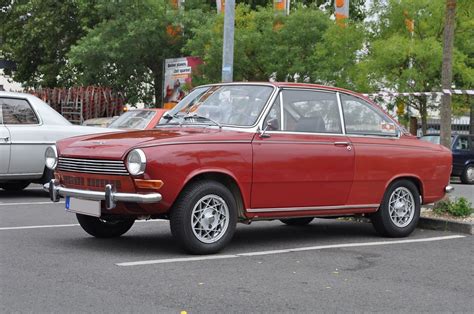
[[228, 47], [447, 73]]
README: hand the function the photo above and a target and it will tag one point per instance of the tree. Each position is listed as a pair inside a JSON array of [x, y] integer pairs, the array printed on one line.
[[274, 46], [38, 34], [403, 60], [447, 72], [127, 49]]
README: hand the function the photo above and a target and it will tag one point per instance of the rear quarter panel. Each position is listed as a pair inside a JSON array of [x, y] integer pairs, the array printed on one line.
[[380, 161]]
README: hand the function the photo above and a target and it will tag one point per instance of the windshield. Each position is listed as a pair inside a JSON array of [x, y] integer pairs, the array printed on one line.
[[134, 119], [238, 105]]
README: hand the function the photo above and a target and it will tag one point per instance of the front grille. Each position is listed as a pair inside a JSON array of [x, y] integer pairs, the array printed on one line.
[[109, 167]]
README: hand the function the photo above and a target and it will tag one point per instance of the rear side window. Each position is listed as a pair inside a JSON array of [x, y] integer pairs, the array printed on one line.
[[17, 111], [362, 119], [462, 143]]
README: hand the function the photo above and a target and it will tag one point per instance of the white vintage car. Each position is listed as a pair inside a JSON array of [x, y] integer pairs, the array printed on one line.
[[27, 127]]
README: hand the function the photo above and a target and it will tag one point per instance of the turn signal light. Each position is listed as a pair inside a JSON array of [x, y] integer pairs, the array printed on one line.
[[148, 184]]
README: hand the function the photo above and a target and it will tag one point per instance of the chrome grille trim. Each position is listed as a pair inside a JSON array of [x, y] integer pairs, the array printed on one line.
[[96, 166]]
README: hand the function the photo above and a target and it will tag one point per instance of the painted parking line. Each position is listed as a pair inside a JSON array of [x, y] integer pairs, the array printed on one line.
[[300, 249], [30, 203], [64, 225]]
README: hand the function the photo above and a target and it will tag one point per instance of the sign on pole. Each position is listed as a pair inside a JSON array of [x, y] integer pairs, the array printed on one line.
[[341, 11]]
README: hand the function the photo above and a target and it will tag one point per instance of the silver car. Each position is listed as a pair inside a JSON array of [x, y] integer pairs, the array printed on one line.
[[27, 127]]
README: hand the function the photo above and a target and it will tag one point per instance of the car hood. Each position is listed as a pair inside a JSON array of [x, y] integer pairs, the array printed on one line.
[[117, 145]]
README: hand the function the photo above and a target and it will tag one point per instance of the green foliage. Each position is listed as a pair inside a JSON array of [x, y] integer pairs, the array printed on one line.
[[127, 49], [274, 46], [461, 207], [399, 60], [37, 35]]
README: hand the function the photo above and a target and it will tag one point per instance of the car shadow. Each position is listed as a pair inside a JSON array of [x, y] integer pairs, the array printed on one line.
[[36, 192], [260, 236]]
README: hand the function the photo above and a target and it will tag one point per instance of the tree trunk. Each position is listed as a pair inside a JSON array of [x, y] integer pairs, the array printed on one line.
[[471, 120], [158, 87], [424, 114], [447, 73]]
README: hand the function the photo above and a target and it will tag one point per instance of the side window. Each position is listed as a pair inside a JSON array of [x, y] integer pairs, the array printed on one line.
[[274, 115], [310, 111], [17, 111], [462, 143], [360, 118]]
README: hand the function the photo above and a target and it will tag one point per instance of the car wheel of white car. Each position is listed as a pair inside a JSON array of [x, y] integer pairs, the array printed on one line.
[[297, 221], [467, 176], [204, 217], [399, 212], [14, 186], [102, 228]]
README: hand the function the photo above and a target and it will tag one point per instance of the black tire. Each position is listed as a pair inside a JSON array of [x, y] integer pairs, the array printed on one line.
[[14, 186], [47, 175], [297, 221], [182, 212], [100, 228], [382, 220], [466, 176]]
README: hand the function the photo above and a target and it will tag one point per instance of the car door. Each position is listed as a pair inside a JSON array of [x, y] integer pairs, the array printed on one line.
[[462, 152], [377, 146], [304, 161], [27, 144], [4, 146]]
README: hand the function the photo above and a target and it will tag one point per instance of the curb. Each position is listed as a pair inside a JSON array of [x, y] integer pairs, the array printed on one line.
[[445, 225]]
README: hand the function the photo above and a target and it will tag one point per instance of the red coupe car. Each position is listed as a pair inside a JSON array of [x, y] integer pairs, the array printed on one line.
[[241, 152]]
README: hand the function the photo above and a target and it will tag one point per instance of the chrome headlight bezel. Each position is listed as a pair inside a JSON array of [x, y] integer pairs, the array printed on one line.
[[136, 162], [51, 157]]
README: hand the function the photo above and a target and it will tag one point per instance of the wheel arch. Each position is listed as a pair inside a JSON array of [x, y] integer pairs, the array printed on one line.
[[227, 180], [412, 178]]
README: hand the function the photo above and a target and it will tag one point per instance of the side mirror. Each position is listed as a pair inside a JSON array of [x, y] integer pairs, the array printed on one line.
[[272, 125]]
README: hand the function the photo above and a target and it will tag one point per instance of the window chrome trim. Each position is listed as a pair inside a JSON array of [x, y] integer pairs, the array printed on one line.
[[314, 208], [341, 114]]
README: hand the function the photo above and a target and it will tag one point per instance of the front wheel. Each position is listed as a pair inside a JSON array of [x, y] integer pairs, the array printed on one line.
[[467, 176], [204, 217], [399, 212], [101, 228]]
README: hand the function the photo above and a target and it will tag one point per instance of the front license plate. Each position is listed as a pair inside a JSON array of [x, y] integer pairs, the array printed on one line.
[[85, 207]]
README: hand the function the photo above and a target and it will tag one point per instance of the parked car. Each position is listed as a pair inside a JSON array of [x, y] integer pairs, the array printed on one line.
[[138, 119], [27, 127], [462, 147], [241, 152], [100, 122]]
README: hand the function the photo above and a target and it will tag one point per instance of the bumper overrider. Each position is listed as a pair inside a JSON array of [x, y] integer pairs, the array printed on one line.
[[109, 196]]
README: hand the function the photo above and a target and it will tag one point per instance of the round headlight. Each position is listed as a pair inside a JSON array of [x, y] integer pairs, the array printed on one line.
[[51, 157], [136, 162]]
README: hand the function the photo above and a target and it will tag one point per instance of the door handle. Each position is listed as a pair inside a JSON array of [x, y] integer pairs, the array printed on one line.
[[5, 139], [346, 144]]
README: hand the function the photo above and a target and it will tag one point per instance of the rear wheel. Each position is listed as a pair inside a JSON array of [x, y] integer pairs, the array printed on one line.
[[399, 212], [204, 217], [297, 221], [14, 185], [467, 176], [101, 228]]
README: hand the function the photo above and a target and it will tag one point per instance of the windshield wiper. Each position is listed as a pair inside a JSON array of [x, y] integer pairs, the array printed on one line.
[[196, 116]]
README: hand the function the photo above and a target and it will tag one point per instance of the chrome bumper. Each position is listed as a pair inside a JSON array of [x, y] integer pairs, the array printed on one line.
[[109, 195], [449, 189]]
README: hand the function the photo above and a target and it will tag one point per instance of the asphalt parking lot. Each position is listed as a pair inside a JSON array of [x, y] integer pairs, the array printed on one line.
[[49, 264]]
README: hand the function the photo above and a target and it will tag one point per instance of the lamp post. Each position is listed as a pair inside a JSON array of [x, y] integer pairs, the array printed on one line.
[[228, 47]]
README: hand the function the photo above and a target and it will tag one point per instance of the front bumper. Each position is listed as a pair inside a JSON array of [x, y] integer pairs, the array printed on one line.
[[109, 196]]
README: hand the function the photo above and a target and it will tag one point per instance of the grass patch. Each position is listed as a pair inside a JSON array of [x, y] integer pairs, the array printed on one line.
[[460, 207]]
